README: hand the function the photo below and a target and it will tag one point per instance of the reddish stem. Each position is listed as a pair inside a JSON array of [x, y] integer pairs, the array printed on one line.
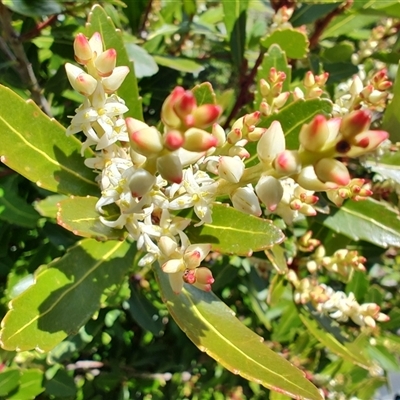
[[35, 32]]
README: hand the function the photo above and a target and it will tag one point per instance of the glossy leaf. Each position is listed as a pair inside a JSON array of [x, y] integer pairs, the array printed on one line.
[[13, 208], [65, 295], [78, 215], [204, 94], [329, 341], [34, 8], [213, 328], [48, 206], [235, 16], [340, 71], [367, 220], [309, 13], [30, 385], [276, 256], [50, 158], [292, 118], [293, 43], [9, 380], [341, 52], [391, 118], [98, 21], [274, 58], [179, 64], [143, 62], [233, 232], [61, 385], [358, 285]]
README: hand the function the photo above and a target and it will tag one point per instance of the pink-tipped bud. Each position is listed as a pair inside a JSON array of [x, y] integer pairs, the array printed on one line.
[[230, 168], [366, 142], [281, 100], [320, 80], [204, 276], [168, 115], [234, 136], [309, 80], [270, 191], [170, 167], [114, 81], [287, 162], [314, 135], [195, 254], [105, 62], [277, 89], [308, 179], [96, 43], [146, 141], [355, 122], [141, 182], [184, 104], [173, 140], [244, 199], [264, 88], [332, 170], [219, 133], [83, 51], [265, 109], [205, 115], [198, 140], [239, 151], [271, 143], [256, 134], [252, 119], [80, 80]]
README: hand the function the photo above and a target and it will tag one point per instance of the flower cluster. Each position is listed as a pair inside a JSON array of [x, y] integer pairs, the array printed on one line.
[[152, 174]]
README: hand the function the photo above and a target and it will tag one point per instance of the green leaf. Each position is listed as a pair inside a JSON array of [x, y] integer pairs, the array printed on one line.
[[292, 118], [30, 385], [204, 94], [276, 256], [391, 118], [233, 232], [293, 43], [275, 58], [34, 8], [179, 64], [36, 147], [98, 21], [211, 325], [78, 215], [367, 220], [9, 380], [65, 295], [144, 312], [61, 385], [48, 206], [13, 208], [340, 71], [359, 285], [343, 350], [309, 13], [394, 321], [340, 52], [144, 63], [235, 18]]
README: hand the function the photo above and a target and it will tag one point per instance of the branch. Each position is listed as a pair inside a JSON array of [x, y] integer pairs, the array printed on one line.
[[16, 53], [35, 32]]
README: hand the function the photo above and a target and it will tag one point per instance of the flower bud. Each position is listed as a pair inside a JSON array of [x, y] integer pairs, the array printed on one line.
[[168, 114], [256, 134], [205, 115], [141, 182], [230, 168], [264, 88], [170, 167], [270, 192], [184, 104], [314, 135], [173, 140], [114, 81], [265, 109], [105, 62], [309, 80], [80, 80], [146, 141], [167, 245], [219, 133], [195, 254], [239, 151], [332, 170], [198, 140], [355, 122], [96, 43], [244, 199], [82, 49], [281, 100], [287, 162], [366, 141], [234, 136], [271, 143], [308, 179]]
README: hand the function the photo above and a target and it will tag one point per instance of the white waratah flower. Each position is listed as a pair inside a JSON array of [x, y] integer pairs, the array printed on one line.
[[196, 190]]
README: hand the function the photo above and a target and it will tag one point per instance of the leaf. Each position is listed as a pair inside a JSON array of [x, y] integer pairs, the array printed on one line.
[[329, 341], [78, 215], [9, 381], [144, 312], [309, 13], [292, 118], [367, 220], [276, 256], [275, 58], [340, 71], [61, 385], [37, 148], [34, 8], [144, 63], [292, 42], [233, 232], [204, 94], [98, 21], [179, 64], [212, 327], [13, 208], [48, 206], [65, 295], [340, 52], [235, 18], [30, 385], [391, 118], [359, 285]]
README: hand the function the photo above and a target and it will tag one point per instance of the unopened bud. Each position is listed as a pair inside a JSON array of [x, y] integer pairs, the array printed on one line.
[[173, 140], [146, 141], [105, 62], [230, 168], [96, 43], [198, 140], [287, 162], [184, 104], [270, 192], [314, 135], [205, 115], [308, 179], [141, 182], [82, 49], [244, 199], [355, 122], [114, 81], [332, 170], [80, 80], [170, 167], [271, 143], [219, 133]]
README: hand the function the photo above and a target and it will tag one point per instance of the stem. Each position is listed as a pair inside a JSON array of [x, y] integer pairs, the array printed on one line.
[[244, 83], [142, 28], [16, 53], [38, 28], [322, 23]]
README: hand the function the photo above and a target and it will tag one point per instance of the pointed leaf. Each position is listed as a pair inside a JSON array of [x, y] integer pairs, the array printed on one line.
[[48, 206], [9, 380], [179, 64], [211, 325], [391, 118], [30, 385], [204, 94], [367, 220], [144, 63], [292, 42], [36, 147], [65, 295], [78, 215], [98, 21], [233, 232]]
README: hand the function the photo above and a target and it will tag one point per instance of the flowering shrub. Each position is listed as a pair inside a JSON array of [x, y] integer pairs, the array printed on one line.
[[284, 189]]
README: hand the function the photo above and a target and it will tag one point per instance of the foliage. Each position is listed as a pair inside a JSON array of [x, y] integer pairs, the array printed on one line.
[[285, 141]]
